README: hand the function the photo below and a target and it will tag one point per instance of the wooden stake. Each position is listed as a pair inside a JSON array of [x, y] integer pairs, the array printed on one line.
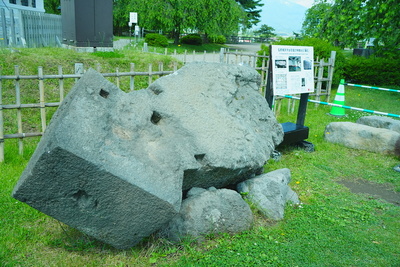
[[132, 78], [19, 114], [61, 83], [1, 120], [41, 98], [150, 73], [117, 76]]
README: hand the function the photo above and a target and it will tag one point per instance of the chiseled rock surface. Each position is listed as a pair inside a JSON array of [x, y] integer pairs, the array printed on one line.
[[209, 211], [114, 164], [232, 128], [270, 192], [359, 136]]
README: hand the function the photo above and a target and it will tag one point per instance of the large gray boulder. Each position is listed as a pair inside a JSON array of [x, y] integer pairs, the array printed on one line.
[[380, 122], [114, 164], [270, 192], [232, 129], [209, 211], [359, 136]]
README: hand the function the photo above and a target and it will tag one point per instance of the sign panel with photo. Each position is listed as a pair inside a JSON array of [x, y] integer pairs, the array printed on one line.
[[292, 69]]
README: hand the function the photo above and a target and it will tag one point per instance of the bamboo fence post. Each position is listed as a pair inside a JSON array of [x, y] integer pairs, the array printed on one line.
[[194, 55], [41, 98], [316, 69], [331, 69], [117, 76], [160, 68], [204, 55], [150, 73], [19, 113], [184, 57], [1, 120], [222, 55], [132, 77], [175, 66], [79, 69], [319, 79], [262, 74], [61, 83], [236, 56]]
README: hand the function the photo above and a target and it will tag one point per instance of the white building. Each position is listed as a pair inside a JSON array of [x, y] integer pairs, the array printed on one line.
[[31, 5], [25, 23]]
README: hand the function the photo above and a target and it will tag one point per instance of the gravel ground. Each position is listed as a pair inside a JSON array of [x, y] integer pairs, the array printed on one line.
[[245, 48]]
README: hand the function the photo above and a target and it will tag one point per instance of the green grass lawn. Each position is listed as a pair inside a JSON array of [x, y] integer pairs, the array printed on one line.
[[332, 226]]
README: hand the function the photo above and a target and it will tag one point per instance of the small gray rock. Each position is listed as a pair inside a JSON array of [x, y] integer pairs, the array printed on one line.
[[380, 122], [209, 211], [270, 192], [359, 136]]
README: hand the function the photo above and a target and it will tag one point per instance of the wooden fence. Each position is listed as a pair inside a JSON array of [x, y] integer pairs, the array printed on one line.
[[61, 78]]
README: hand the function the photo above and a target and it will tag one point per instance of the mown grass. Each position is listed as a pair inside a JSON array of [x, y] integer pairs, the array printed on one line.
[[332, 226]]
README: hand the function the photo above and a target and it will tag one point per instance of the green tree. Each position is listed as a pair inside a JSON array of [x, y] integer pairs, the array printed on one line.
[[265, 31], [347, 22], [314, 23], [251, 7], [211, 17], [219, 17], [121, 16], [52, 6]]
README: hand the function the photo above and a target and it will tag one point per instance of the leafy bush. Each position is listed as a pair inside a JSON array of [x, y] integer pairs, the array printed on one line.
[[219, 39], [192, 39], [155, 39], [322, 50], [372, 71]]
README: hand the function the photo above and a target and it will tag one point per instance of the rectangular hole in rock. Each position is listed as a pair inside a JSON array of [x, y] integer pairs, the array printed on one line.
[[199, 157], [155, 118], [104, 93]]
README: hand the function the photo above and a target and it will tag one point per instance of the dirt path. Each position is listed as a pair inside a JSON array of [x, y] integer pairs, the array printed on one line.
[[382, 191]]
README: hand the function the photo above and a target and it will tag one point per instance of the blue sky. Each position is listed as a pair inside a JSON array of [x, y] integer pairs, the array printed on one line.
[[285, 16]]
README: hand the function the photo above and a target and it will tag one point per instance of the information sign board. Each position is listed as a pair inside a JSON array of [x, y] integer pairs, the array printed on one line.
[[133, 18], [292, 69]]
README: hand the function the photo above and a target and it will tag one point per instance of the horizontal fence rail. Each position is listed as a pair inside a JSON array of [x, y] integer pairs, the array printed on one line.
[[17, 78], [372, 87], [346, 107]]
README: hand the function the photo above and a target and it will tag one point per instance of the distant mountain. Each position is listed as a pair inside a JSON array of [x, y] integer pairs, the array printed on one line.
[[285, 16]]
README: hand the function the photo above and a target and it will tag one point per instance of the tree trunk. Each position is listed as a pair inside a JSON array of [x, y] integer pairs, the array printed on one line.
[[175, 35]]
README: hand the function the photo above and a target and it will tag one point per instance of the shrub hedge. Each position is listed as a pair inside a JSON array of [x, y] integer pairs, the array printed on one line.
[[372, 71], [192, 39], [219, 39], [155, 39]]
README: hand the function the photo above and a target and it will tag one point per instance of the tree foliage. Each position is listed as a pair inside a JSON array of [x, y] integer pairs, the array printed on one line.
[[345, 22], [251, 7], [52, 6], [210, 17], [265, 31]]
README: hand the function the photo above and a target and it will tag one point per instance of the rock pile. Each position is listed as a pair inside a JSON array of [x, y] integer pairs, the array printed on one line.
[[114, 165]]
